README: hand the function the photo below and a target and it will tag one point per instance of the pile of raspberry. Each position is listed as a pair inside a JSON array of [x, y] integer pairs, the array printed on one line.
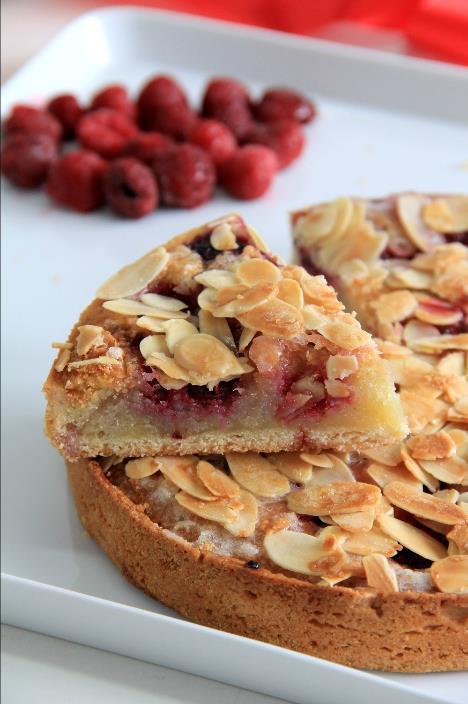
[[157, 150]]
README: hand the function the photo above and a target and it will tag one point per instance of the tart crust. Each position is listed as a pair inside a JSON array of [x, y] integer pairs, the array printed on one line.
[[401, 632]]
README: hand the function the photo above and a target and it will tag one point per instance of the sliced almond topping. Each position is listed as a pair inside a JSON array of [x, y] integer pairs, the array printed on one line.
[[431, 447], [415, 539], [359, 522], [216, 278], [150, 324], [207, 356], [452, 470], [274, 318], [379, 574], [451, 574], [409, 278], [129, 307], [152, 344], [345, 332], [155, 300], [422, 504], [106, 361], [415, 330], [292, 466], [217, 327], [389, 455], [257, 239], [395, 306], [218, 511], [182, 471], [327, 219], [257, 271], [245, 523], [313, 316], [452, 363], [338, 472], [231, 303], [418, 472], [436, 312], [320, 460], [144, 467], [440, 343], [409, 209], [89, 336], [257, 475], [448, 215], [459, 412], [374, 541], [335, 498], [177, 330], [223, 238], [383, 474], [134, 277], [216, 481], [340, 366], [62, 345], [458, 540], [336, 389], [167, 366], [62, 360], [290, 292], [295, 551], [246, 338]]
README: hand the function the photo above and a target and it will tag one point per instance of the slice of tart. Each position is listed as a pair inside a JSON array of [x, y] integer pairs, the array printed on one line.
[[212, 344], [341, 557]]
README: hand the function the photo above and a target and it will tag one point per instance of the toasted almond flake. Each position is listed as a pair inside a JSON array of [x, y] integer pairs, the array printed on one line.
[[223, 238], [409, 210], [246, 338], [106, 361], [415, 330], [421, 411], [422, 504], [320, 460], [218, 511], [459, 411], [395, 306], [447, 215], [452, 363], [257, 239], [155, 300], [245, 523], [338, 472], [129, 307], [384, 474], [345, 332], [313, 316], [379, 574], [409, 278], [290, 292], [327, 220], [207, 356], [359, 522], [231, 303], [257, 475], [336, 389], [89, 336], [431, 447], [168, 383], [62, 360], [216, 278], [140, 468], [374, 541], [458, 540], [435, 312], [182, 471], [335, 498], [216, 481], [292, 466], [136, 276], [168, 366], [274, 318], [295, 551], [415, 539], [384, 506], [257, 271], [150, 324], [340, 366], [441, 343], [62, 345], [451, 574], [152, 344], [452, 470], [418, 472], [217, 327], [177, 330]]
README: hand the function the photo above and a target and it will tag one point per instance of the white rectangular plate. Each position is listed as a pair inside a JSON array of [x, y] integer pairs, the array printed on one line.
[[385, 124]]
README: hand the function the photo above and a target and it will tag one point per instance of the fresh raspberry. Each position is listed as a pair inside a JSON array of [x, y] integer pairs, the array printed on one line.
[[24, 118], [215, 138], [26, 158], [114, 97], [106, 132], [249, 172], [186, 176], [148, 146], [285, 138], [75, 180], [283, 104], [163, 107], [68, 112], [130, 188], [227, 100]]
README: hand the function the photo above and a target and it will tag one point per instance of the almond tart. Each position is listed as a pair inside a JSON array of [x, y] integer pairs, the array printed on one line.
[[331, 554], [212, 344]]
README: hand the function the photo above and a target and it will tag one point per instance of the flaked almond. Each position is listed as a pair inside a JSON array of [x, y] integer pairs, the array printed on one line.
[[168, 366], [217, 327], [156, 300], [422, 504], [447, 215], [336, 388], [89, 336], [395, 306], [205, 355], [151, 344], [177, 330], [223, 238], [452, 363], [433, 311], [451, 574], [380, 574], [440, 343], [335, 498], [62, 360], [295, 551], [409, 210], [257, 271], [384, 474], [257, 239], [216, 278], [418, 472], [458, 540], [140, 468], [216, 481], [421, 411], [320, 460], [136, 276], [257, 475], [453, 470], [292, 466], [338, 472], [237, 300], [124, 306], [327, 220], [459, 411], [431, 447], [409, 278], [412, 538], [340, 366], [245, 338], [389, 455], [313, 316], [415, 330], [62, 345], [218, 511], [290, 292], [245, 523], [103, 360], [345, 332], [182, 471], [150, 324], [359, 522], [374, 541], [274, 318]]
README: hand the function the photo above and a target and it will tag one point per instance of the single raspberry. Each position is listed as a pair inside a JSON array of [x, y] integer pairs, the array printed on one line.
[[75, 180], [68, 112], [186, 176], [106, 132], [130, 188], [115, 97], [284, 104], [24, 118], [163, 107], [227, 101], [285, 138], [215, 138], [148, 146], [249, 172], [26, 158]]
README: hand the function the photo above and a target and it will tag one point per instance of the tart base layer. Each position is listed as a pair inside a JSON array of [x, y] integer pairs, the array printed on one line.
[[402, 632]]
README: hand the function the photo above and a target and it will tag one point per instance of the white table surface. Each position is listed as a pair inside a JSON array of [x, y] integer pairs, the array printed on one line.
[[44, 670]]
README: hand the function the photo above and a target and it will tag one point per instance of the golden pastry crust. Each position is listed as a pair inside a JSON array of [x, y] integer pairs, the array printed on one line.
[[400, 632]]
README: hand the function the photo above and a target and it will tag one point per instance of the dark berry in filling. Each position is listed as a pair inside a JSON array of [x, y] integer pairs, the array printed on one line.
[[252, 564], [406, 558]]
